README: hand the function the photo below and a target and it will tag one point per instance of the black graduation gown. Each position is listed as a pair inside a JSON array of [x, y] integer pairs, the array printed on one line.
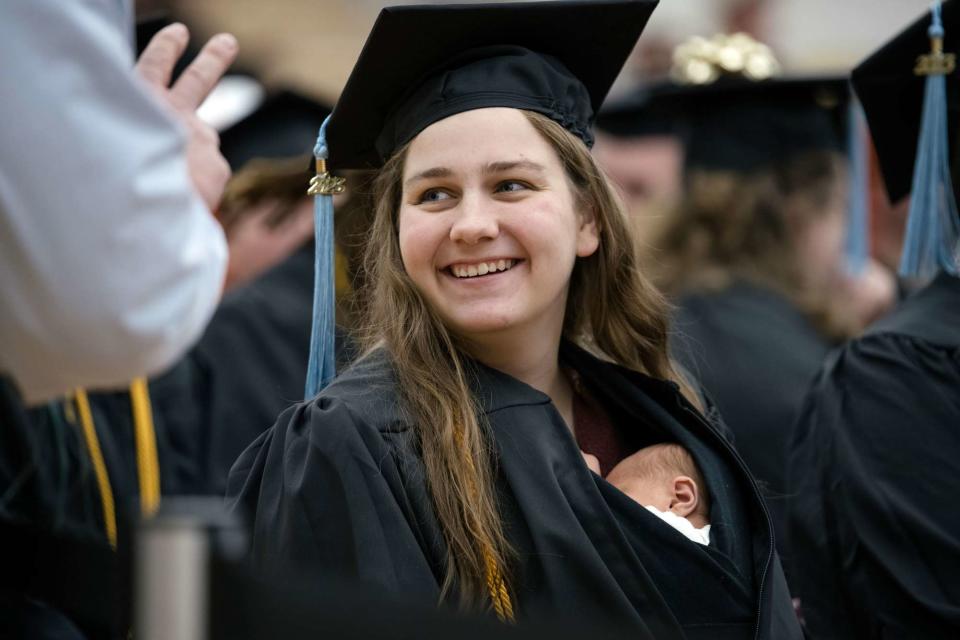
[[49, 477], [754, 354], [59, 579], [249, 365], [875, 467], [336, 488]]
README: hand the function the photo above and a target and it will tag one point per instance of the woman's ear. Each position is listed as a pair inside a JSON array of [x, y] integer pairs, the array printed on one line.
[[588, 236], [685, 498]]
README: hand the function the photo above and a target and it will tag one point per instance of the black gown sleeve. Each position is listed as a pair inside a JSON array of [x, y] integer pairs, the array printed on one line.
[[873, 466], [327, 499]]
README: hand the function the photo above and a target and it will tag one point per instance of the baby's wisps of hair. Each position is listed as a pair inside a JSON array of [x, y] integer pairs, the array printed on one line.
[[665, 479]]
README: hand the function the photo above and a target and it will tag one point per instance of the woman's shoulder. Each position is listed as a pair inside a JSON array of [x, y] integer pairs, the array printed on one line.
[[356, 413], [364, 394], [327, 447]]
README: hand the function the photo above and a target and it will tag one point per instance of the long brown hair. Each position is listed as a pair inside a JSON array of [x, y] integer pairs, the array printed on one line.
[[732, 225], [612, 310]]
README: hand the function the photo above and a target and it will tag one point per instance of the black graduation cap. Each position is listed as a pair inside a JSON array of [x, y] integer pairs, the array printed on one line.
[[909, 91], [892, 97], [742, 125], [645, 111], [285, 125], [423, 63]]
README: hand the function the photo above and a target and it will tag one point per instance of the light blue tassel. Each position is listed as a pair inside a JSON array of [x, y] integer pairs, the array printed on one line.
[[933, 229], [857, 240], [322, 364]]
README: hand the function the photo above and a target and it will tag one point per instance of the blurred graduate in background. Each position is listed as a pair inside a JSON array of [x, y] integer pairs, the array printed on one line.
[[640, 145], [753, 252], [251, 361], [875, 538]]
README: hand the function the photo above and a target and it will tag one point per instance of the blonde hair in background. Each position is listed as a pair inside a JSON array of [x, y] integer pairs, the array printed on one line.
[[281, 181], [732, 225], [612, 310]]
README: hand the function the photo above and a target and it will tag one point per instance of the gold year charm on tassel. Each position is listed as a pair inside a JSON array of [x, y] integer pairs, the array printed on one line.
[[936, 62], [325, 184]]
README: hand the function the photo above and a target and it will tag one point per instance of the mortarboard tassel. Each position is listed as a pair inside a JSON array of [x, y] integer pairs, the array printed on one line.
[[933, 229], [857, 232], [323, 186]]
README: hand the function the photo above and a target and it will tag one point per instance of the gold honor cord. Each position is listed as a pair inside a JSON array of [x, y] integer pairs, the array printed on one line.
[[99, 466], [496, 585], [148, 464], [502, 604], [936, 62]]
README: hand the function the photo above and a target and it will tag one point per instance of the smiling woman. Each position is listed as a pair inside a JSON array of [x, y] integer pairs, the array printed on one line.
[[509, 330], [488, 207]]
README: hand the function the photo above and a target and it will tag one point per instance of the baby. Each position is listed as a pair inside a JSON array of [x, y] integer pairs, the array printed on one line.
[[665, 479]]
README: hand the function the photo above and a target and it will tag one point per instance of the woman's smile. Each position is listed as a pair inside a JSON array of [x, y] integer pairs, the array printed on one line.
[[478, 269]]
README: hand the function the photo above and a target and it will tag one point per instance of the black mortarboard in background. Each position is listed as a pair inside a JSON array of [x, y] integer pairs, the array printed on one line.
[[892, 98], [423, 63], [742, 125], [283, 126], [645, 111], [909, 89]]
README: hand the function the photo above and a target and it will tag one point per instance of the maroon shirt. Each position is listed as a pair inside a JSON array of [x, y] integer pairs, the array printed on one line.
[[595, 432]]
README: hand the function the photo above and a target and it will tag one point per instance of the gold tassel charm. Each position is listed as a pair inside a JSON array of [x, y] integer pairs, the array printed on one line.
[[323, 183], [936, 62]]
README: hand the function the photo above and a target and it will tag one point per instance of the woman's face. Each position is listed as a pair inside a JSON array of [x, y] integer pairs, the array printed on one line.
[[489, 227]]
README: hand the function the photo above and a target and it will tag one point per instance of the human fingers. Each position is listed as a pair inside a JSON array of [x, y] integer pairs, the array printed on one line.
[[208, 168], [197, 80], [161, 54]]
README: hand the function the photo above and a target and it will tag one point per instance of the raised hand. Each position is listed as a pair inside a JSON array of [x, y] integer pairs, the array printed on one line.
[[208, 168]]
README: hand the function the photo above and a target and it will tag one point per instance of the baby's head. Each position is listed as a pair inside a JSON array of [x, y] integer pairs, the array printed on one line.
[[666, 477]]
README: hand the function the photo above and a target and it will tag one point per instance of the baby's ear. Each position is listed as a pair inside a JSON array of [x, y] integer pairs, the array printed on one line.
[[685, 499]]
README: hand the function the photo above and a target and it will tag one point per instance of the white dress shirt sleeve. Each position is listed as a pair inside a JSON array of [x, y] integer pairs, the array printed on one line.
[[110, 263]]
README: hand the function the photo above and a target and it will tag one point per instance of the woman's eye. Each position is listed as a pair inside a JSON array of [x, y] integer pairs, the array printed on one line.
[[433, 195], [511, 185]]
